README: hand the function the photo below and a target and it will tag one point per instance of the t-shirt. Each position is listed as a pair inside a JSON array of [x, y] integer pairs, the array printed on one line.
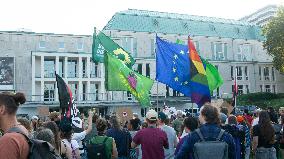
[[14, 146], [261, 142], [177, 123], [120, 137], [171, 135], [79, 137], [152, 141], [255, 121]]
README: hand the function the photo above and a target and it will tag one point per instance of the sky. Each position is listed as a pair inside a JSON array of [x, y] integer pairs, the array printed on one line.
[[81, 16]]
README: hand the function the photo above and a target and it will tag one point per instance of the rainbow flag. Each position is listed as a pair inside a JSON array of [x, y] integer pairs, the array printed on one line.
[[200, 92]]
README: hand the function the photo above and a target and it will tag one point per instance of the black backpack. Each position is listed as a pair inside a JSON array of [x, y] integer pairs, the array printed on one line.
[[97, 151], [39, 149]]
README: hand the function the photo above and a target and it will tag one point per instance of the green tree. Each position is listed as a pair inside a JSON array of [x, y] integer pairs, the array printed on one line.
[[274, 43]]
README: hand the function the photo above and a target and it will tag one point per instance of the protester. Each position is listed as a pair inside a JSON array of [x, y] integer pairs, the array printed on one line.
[[151, 139], [256, 119], [111, 150], [55, 130], [210, 130], [171, 135], [237, 134], [136, 117], [281, 139], [121, 136], [190, 124], [34, 123], [264, 138], [133, 127], [272, 115], [246, 143], [55, 116], [94, 129], [248, 116], [26, 123], [46, 135], [12, 144], [69, 147], [177, 123], [223, 118]]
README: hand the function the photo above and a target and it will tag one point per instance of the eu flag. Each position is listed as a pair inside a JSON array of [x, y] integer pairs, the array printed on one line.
[[173, 67]]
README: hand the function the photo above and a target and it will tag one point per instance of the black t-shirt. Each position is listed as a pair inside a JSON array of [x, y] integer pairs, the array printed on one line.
[[261, 142]]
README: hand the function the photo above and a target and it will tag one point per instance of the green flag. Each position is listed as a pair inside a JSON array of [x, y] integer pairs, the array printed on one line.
[[120, 77], [102, 44], [214, 78]]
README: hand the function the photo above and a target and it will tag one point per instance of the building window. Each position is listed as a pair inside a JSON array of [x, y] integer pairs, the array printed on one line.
[[273, 74], [244, 52], [219, 51], [239, 73], [143, 112], [153, 45], [247, 88], [84, 95], [240, 89], [49, 92], [139, 68], [167, 91], [72, 68], [61, 45], [49, 68], [196, 44], [267, 88], [176, 93], [74, 89], [84, 68], [246, 73], [42, 44], [261, 89], [94, 70], [259, 73], [129, 95], [61, 68], [274, 88], [134, 51], [80, 46], [232, 72], [266, 73], [94, 92], [148, 70]]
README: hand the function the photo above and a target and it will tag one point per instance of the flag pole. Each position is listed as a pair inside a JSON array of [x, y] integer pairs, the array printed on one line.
[[157, 106], [236, 87]]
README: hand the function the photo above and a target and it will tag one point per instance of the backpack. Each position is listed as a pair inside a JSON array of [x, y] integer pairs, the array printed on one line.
[[216, 149], [39, 149], [97, 151]]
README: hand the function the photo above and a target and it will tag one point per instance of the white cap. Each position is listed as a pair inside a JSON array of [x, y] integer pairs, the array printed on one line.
[[152, 115], [34, 118]]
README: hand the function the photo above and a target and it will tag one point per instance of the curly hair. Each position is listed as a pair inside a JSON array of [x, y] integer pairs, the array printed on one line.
[[101, 125]]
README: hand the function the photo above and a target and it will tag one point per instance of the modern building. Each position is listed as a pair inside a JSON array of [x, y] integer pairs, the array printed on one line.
[[29, 60], [262, 16]]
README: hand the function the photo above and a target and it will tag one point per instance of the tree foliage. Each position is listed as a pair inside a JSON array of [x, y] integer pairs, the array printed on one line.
[[274, 43]]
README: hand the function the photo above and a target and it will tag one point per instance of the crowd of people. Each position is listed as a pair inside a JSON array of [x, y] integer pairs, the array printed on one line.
[[213, 134]]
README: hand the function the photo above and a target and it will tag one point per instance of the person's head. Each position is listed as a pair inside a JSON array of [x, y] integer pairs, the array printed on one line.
[[240, 119], [95, 118], [224, 110], [232, 120], [135, 115], [133, 124], [270, 109], [151, 117], [209, 114], [55, 130], [114, 122], [281, 110], [246, 111], [144, 125], [257, 111], [179, 114], [266, 128], [26, 123], [46, 135], [190, 124], [282, 119], [162, 117], [223, 118], [101, 126], [9, 104], [54, 116]]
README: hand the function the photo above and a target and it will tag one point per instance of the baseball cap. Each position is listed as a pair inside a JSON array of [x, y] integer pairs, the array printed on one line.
[[162, 116], [152, 115]]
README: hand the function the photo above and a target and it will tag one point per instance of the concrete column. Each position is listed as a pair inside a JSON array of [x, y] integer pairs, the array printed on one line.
[[80, 91], [88, 65], [65, 67], [80, 67], [88, 85], [57, 71], [102, 89], [42, 90], [33, 77], [42, 67]]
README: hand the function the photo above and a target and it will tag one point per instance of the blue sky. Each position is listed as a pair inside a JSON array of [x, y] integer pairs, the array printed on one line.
[[81, 16]]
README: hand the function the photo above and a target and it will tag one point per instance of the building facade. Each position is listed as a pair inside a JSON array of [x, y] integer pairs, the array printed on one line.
[[262, 16], [29, 61]]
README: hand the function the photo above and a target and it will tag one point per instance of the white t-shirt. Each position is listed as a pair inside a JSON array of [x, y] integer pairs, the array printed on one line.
[[171, 134], [74, 144], [255, 121], [79, 137]]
